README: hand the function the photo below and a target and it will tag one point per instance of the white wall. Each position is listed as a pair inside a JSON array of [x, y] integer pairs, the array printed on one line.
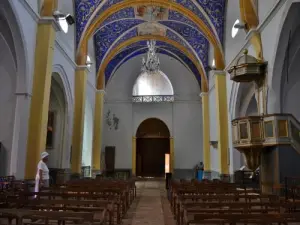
[[22, 19], [182, 117], [8, 100], [87, 136]]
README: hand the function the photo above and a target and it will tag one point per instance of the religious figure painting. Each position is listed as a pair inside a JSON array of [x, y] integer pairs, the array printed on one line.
[[151, 13], [50, 130], [112, 121]]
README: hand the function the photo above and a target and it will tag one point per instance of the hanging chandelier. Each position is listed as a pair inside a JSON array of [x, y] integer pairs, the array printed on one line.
[[151, 63]]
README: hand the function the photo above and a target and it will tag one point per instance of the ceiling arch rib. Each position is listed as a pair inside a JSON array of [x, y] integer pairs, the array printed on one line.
[[210, 12], [106, 38], [139, 48], [179, 7], [143, 50], [170, 35], [117, 49]]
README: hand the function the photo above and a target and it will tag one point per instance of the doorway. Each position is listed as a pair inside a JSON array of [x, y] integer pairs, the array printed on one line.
[[152, 148]]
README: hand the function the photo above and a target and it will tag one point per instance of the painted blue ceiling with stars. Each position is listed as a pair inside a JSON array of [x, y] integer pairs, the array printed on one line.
[[136, 21]]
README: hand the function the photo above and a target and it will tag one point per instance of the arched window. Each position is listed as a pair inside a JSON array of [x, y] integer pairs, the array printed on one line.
[[153, 87]]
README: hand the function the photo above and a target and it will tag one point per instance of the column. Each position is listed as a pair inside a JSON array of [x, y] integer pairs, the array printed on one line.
[[78, 124], [172, 155], [133, 156], [222, 123], [97, 134], [206, 135], [38, 118], [260, 95]]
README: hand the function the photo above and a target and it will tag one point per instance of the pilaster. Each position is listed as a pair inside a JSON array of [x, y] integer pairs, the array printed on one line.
[[78, 124], [97, 134], [206, 134], [222, 121], [37, 127]]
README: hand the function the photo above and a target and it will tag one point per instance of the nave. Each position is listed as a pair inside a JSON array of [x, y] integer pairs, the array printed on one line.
[[145, 201]]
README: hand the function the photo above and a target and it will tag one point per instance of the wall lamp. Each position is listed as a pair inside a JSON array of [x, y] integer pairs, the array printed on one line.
[[59, 15], [241, 26]]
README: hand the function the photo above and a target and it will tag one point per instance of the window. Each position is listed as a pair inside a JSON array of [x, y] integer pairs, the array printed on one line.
[[234, 31], [153, 87]]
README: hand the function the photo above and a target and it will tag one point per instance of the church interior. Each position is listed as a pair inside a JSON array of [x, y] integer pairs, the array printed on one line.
[[149, 112]]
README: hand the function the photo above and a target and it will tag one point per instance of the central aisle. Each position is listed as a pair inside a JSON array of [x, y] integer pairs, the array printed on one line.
[[151, 206]]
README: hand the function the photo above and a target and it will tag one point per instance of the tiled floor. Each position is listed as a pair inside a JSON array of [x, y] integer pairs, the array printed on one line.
[[151, 206]]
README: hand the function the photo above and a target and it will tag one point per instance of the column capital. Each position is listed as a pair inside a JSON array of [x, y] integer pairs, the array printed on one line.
[[203, 94], [171, 137], [100, 91], [219, 73], [50, 20], [81, 67]]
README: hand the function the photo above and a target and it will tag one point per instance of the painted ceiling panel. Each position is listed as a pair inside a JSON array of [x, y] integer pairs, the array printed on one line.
[[191, 6], [108, 34], [215, 9], [121, 58], [83, 11], [194, 37], [127, 52], [126, 13], [151, 20], [130, 34]]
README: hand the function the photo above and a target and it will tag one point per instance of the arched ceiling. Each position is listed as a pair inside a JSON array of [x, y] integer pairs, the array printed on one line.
[[140, 20]]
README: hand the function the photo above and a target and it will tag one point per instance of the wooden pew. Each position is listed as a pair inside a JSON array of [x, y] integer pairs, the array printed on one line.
[[25, 216], [118, 194], [243, 218], [82, 198]]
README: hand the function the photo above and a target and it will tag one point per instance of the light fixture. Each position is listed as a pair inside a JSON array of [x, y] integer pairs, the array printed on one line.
[[70, 20], [151, 63], [212, 67], [236, 27], [63, 20], [63, 24], [240, 26], [213, 64], [88, 61]]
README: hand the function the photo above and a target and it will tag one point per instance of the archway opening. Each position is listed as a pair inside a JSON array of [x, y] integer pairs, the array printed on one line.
[[8, 90], [57, 123], [152, 148]]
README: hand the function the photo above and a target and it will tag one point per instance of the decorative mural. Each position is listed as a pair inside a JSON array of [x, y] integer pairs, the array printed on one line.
[[144, 20], [151, 13], [151, 29], [112, 121]]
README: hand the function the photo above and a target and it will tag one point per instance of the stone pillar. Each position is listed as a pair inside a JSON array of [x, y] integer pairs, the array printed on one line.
[[172, 155], [38, 119], [222, 123], [97, 136], [206, 135], [78, 125], [133, 156]]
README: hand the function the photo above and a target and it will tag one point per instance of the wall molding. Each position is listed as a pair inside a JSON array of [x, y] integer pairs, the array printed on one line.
[[116, 101], [35, 16]]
